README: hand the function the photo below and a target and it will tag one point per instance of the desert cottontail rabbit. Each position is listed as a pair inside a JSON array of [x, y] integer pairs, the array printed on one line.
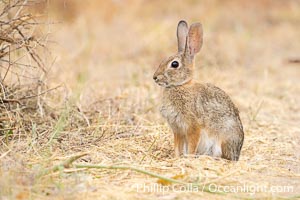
[[202, 117]]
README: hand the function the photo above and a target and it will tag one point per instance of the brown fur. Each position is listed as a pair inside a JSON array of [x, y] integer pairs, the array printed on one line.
[[203, 118]]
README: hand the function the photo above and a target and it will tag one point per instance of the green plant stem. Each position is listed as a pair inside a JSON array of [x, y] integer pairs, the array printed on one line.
[[66, 164], [171, 180]]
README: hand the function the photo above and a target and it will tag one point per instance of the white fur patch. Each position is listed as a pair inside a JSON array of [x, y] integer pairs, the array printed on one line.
[[209, 145], [185, 149]]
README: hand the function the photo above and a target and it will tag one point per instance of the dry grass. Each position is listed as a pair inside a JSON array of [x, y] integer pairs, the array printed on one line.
[[105, 54]]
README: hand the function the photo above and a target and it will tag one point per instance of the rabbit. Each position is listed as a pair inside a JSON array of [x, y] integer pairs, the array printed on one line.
[[202, 117]]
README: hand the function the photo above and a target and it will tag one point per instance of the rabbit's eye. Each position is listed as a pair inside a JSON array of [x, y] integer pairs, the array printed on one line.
[[174, 64]]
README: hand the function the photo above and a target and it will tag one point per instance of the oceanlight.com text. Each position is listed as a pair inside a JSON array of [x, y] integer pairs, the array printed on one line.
[[250, 189]]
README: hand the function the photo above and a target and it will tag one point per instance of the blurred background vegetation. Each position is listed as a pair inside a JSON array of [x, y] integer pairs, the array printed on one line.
[[116, 40]]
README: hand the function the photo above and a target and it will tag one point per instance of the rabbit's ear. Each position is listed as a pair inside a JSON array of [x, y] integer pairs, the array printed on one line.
[[182, 33], [194, 40]]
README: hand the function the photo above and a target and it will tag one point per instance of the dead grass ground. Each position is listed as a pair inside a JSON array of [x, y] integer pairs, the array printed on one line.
[[105, 54]]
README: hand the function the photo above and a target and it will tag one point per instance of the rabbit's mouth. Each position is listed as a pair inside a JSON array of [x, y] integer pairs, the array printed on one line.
[[161, 80], [162, 84]]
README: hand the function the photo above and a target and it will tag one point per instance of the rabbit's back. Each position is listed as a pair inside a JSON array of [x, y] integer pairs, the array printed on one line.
[[216, 109]]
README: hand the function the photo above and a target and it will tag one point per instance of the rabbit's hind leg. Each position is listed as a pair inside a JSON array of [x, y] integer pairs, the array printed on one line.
[[231, 149]]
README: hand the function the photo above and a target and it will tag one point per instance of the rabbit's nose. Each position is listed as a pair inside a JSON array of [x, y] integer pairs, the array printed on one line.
[[155, 78]]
